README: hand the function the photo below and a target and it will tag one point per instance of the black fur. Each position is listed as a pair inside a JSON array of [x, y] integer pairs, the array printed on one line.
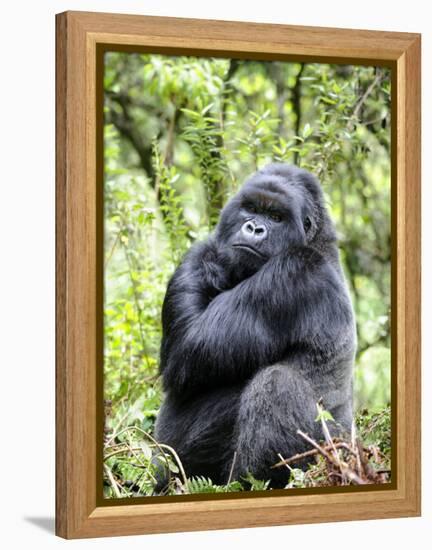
[[257, 327]]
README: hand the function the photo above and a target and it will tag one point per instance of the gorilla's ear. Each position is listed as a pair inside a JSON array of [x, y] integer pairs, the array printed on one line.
[[298, 233]]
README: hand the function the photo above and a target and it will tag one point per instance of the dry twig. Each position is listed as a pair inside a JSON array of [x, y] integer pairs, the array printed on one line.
[[345, 462]]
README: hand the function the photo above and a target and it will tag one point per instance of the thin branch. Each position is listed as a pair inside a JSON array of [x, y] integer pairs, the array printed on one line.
[[119, 423], [307, 454], [232, 468], [111, 252], [112, 481], [315, 445], [177, 459], [327, 435], [135, 293], [362, 100], [124, 449], [160, 446], [126, 125], [283, 463], [296, 98], [346, 471]]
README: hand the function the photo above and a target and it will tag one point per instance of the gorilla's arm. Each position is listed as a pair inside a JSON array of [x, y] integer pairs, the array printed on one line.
[[214, 336]]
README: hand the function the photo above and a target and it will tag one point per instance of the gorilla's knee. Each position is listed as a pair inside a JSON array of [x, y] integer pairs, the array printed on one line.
[[274, 405], [281, 385]]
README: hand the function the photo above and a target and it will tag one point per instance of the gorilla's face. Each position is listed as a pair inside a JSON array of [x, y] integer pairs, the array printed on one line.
[[278, 208]]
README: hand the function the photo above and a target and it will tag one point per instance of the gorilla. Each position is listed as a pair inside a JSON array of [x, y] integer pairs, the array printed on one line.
[[258, 327]]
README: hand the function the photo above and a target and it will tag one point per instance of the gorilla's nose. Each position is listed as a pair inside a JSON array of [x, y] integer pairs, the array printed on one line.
[[254, 231]]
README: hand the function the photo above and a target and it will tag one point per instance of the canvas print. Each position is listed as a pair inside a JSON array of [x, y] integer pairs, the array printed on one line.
[[247, 275]]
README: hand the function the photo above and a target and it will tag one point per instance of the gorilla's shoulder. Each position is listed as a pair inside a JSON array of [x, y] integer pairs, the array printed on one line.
[[203, 250]]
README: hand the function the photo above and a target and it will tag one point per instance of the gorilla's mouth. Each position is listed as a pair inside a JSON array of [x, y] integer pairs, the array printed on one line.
[[249, 248]]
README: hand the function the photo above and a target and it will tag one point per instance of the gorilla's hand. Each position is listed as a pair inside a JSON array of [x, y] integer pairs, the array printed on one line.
[[214, 271]]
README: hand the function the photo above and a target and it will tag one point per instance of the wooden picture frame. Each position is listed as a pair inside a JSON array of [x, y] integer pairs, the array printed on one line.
[[81, 38]]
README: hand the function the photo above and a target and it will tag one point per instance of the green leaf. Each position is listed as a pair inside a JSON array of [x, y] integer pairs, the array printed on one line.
[[324, 415]]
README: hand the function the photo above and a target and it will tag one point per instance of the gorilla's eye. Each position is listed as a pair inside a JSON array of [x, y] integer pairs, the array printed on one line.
[[252, 208], [307, 224], [275, 217]]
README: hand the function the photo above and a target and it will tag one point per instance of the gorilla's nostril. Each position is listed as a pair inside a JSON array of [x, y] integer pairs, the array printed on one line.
[[259, 230], [250, 227]]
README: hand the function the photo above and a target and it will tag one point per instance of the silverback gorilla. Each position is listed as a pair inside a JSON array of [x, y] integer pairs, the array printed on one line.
[[257, 328]]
